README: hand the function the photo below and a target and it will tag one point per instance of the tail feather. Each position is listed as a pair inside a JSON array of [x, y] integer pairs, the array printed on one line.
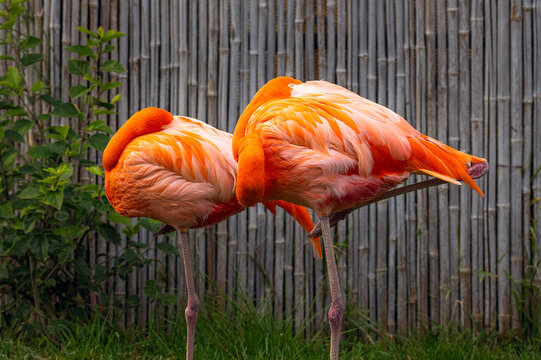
[[302, 216], [436, 159]]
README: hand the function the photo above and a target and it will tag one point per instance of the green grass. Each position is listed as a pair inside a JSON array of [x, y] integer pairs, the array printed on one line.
[[252, 336]]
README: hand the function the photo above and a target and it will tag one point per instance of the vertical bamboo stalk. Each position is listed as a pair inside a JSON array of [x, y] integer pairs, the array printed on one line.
[[299, 274], [260, 256], [271, 40], [490, 146], [222, 119], [517, 142], [431, 130], [331, 40], [290, 38], [527, 130], [309, 34], [444, 281], [321, 45], [352, 51], [503, 165], [281, 47], [536, 133], [261, 44], [299, 39], [392, 220], [422, 209], [381, 207], [401, 262], [183, 46], [464, 131], [452, 74], [477, 125], [233, 96], [213, 71], [411, 216], [279, 245], [341, 54]]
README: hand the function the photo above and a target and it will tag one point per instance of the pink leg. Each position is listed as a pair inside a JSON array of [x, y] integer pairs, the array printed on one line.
[[337, 305], [193, 301]]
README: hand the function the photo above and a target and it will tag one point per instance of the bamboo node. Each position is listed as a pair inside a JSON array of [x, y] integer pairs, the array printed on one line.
[[465, 271], [288, 268]]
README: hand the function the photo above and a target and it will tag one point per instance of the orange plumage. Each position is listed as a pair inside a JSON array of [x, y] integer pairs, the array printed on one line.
[[319, 145], [179, 171]]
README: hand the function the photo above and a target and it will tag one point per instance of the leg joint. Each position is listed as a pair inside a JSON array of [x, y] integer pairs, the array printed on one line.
[[335, 313], [192, 309]]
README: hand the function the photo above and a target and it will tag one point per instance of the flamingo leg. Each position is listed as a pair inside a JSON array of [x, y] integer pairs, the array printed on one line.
[[337, 305], [193, 301]]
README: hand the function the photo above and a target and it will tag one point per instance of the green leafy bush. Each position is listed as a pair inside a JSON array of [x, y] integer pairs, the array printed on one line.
[[52, 200]]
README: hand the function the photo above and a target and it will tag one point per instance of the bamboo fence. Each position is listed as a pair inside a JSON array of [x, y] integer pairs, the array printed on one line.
[[465, 72]]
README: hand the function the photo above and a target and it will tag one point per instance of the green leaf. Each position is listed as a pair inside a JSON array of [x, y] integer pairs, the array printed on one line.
[[81, 50], [4, 274], [55, 198], [78, 67], [22, 126], [111, 85], [151, 288], [99, 32], [100, 125], [15, 112], [109, 233], [108, 48], [39, 246], [112, 34], [98, 141], [9, 157], [29, 193], [13, 78], [104, 112], [115, 217], [96, 170], [6, 212], [20, 245], [59, 132], [30, 59], [86, 31], [65, 110], [81, 267], [29, 42], [6, 57], [116, 98], [39, 152], [168, 299], [167, 248], [100, 273], [78, 90], [38, 85], [29, 223], [113, 66], [150, 224], [14, 136]]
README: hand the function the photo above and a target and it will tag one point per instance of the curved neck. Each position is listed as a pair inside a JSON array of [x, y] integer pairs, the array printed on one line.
[[143, 122], [275, 89]]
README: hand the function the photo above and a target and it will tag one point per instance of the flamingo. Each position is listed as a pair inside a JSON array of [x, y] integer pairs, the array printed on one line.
[[319, 145], [180, 171]]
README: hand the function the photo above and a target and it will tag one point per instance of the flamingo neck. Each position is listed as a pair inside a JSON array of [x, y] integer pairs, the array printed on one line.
[[143, 122], [275, 89]]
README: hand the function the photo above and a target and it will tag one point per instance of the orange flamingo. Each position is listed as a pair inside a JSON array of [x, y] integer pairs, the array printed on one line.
[[181, 172], [319, 145]]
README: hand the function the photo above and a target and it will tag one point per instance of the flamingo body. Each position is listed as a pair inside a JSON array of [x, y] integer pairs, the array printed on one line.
[[327, 148]]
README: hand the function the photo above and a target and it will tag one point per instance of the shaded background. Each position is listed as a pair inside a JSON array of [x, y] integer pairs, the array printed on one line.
[[467, 73]]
